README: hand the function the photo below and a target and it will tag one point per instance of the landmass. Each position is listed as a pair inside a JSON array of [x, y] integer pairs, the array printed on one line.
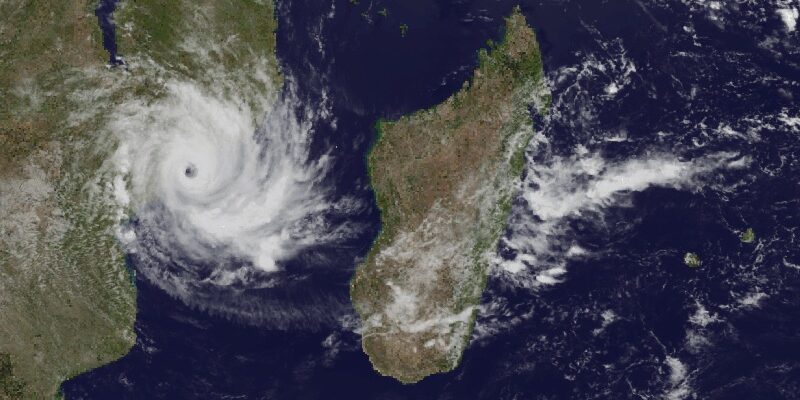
[[11, 387], [692, 260], [444, 179], [748, 236], [67, 300]]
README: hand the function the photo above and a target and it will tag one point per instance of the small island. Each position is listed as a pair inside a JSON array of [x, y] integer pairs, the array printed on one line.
[[444, 179], [748, 236], [692, 260]]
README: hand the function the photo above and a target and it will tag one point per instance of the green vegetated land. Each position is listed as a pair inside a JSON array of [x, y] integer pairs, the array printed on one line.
[[444, 178], [748, 236], [67, 302]]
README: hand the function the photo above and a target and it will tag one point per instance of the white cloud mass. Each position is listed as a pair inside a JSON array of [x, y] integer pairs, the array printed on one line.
[[219, 183]]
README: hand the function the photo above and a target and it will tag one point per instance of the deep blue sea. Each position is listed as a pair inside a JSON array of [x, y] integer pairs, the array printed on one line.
[[632, 81]]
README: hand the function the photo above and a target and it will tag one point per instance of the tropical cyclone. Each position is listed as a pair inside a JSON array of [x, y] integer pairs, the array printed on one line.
[[216, 165], [444, 179]]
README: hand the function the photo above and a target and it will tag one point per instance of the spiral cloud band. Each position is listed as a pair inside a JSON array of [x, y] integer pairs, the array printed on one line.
[[210, 182]]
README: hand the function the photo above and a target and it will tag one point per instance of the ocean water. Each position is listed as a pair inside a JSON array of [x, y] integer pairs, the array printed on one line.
[[673, 128]]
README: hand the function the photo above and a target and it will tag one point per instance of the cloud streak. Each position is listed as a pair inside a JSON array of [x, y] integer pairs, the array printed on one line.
[[581, 186]]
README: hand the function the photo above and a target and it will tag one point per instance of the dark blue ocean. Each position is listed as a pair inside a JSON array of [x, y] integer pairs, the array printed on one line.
[[700, 72]]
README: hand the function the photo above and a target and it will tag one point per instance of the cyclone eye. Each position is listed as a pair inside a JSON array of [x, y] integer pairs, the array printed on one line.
[[190, 171]]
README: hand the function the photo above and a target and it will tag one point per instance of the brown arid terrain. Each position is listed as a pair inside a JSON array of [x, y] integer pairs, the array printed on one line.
[[67, 300], [444, 179]]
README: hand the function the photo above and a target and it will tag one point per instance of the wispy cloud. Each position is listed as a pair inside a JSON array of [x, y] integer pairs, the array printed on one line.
[[582, 186]]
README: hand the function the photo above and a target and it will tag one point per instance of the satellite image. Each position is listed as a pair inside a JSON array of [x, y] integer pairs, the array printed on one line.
[[400, 200]]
